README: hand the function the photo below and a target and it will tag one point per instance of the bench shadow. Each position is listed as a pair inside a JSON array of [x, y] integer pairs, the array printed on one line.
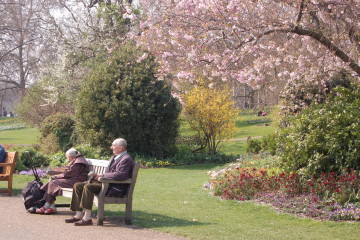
[[148, 220]]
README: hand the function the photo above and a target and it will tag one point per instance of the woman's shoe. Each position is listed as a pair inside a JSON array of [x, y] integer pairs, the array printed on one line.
[[50, 211], [40, 210]]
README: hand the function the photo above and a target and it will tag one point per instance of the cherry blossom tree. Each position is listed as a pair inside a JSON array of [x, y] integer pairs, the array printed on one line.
[[257, 42]]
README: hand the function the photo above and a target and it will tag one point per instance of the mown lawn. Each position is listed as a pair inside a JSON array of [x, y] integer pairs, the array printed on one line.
[[173, 200], [20, 136], [23, 135]]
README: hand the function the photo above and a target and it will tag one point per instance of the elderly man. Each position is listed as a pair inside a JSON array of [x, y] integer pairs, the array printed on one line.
[[119, 168]]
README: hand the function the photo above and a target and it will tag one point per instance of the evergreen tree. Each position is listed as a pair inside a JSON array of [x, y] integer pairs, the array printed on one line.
[[121, 97]]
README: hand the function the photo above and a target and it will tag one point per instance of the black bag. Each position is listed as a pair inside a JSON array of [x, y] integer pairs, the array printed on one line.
[[32, 194]]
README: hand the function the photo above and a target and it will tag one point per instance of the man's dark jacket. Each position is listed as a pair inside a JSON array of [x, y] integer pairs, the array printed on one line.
[[120, 169]]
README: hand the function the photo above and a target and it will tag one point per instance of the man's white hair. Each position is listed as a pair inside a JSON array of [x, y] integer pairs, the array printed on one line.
[[71, 152], [120, 142]]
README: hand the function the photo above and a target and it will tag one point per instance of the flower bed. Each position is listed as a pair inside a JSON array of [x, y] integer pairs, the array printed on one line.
[[12, 127], [310, 205], [330, 196], [40, 172]]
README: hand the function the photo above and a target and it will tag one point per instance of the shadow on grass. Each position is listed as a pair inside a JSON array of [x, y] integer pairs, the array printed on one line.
[[146, 220], [152, 220]]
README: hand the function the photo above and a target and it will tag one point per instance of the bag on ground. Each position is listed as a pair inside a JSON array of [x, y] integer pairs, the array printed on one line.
[[32, 194]]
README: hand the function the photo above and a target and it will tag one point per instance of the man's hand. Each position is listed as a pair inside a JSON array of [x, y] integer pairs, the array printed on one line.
[[98, 176]]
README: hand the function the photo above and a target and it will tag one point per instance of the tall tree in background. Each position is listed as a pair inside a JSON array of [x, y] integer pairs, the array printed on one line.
[[81, 33], [22, 43], [254, 42]]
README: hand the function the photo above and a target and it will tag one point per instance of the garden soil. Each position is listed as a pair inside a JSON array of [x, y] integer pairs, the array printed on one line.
[[17, 224]]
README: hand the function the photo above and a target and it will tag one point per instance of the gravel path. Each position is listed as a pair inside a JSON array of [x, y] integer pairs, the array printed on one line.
[[17, 224]]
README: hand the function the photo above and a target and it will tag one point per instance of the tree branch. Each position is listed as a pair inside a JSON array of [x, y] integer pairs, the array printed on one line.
[[8, 88], [302, 7], [322, 39], [329, 45], [17, 85]]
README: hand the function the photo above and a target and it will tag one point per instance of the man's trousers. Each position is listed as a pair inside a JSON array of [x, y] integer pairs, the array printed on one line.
[[83, 195]]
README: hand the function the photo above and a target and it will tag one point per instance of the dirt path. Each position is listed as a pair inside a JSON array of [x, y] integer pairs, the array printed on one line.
[[17, 224]]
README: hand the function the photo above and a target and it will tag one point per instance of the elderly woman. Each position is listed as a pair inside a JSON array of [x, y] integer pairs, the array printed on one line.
[[76, 171]]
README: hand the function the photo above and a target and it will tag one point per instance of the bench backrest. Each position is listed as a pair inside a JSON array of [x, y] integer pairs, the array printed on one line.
[[97, 166], [11, 161]]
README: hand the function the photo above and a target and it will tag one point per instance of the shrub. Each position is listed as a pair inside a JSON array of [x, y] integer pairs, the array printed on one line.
[[324, 137], [264, 144], [151, 162], [269, 143], [121, 97], [91, 152], [184, 156], [57, 131], [57, 160], [49, 144], [193, 142], [254, 146], [211, 114], [37, 159]]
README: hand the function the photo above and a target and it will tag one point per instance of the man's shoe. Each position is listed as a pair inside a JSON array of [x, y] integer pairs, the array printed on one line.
[[84, 223], [72, 220]]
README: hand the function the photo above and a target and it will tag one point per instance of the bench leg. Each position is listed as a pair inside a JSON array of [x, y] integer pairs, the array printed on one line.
[[100, 213], [128, 213], [10, 186]]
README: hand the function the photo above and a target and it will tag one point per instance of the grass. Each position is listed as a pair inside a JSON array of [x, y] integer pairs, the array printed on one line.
[[24, 135], [173, 200], [16, 136]]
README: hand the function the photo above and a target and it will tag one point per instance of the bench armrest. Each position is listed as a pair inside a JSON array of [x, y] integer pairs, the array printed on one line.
[[109, 180], [5, 164], [52, 172]]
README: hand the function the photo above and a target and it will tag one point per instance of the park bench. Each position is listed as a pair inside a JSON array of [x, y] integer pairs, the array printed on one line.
[[8, 171], [99, 167]]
